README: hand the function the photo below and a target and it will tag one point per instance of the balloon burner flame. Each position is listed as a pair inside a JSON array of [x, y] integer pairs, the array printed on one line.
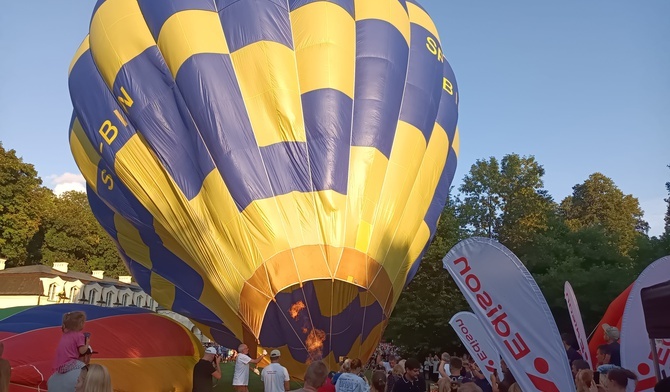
[[315, 337]]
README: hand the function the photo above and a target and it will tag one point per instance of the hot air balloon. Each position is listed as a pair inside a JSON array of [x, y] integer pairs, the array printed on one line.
[[271, 169], [143, 351]]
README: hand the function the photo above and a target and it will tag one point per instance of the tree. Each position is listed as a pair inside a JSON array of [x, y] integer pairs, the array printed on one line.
[[586, 258], [72, 234], [667, 212], [505, 201], [599, 202], [420, 321], [22, 203]]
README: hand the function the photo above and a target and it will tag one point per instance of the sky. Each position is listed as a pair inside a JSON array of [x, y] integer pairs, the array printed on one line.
[[584, 86]]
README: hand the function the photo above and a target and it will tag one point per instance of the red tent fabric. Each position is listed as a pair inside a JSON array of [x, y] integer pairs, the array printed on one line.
[[613, 316]]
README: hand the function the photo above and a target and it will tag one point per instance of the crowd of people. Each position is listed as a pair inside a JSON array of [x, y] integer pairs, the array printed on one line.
[[389, 372]]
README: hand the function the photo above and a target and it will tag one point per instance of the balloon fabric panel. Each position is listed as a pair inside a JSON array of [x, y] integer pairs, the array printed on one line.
[[270, 169]]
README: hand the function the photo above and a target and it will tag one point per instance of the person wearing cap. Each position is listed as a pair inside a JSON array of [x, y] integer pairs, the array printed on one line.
[[612, 340], [274, 376], [205, 369], [241, 375]]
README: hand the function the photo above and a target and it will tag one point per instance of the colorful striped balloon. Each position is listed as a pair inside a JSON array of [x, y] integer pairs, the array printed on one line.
[[143, 351], [271, 169]]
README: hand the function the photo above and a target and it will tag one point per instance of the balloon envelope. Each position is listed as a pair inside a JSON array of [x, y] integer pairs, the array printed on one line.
[[142, 350], [273, 170]]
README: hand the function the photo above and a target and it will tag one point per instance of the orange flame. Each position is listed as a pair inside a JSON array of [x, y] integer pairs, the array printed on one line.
[[314, 344], [304, 330], [296, 308]]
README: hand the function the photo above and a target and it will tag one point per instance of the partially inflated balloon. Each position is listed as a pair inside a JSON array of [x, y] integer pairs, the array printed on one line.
[[142, 350], [271, 169]]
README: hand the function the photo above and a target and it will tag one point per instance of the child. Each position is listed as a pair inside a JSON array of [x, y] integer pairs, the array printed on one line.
[[73, 343]]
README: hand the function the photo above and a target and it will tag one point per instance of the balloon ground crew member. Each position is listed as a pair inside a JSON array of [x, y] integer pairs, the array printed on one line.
[[241, 375], [205, 369], [274, 376]]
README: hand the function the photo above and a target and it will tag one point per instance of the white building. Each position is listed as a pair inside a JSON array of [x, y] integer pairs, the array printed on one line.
[[43, 285]]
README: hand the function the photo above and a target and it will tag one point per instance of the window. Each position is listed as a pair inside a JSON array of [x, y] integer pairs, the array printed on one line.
[[92, 295], [124, 302], [139, 301], [52, 292], [108, 300], [73, 294]]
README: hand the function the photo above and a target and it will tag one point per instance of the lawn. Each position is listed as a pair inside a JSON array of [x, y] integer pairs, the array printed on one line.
[[225, 384]]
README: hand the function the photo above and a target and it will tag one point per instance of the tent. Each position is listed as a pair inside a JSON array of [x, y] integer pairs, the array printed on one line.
[[655, 301]]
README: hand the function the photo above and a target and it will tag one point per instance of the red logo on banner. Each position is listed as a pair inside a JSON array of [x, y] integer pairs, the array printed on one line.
[[512, 340]]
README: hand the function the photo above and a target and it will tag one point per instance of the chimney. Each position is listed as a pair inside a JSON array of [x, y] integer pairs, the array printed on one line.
[[126, 279], [2, 264], [61, 266], [98, 274]]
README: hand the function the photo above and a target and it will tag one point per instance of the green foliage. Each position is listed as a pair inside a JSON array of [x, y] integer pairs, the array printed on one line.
[[505, 201], [599, 202], [37, 227], [72, 234], [420, 321], [22, 203]]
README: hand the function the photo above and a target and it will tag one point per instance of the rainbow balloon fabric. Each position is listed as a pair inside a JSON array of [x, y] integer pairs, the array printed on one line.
[[271, 169], [142, 350]]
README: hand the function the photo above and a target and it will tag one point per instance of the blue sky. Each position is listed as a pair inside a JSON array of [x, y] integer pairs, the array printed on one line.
[[582, 85]]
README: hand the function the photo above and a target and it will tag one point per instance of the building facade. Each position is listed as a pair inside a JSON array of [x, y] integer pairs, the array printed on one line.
[[43, 285]]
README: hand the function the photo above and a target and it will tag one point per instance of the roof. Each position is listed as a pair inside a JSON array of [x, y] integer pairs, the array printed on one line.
[[26, 280]]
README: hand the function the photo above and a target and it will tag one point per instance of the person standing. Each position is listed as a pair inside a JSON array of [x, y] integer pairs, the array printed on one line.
[[612, 340], [410, 381], [205, 369], [274, 376], [241, 375], [5, 371]]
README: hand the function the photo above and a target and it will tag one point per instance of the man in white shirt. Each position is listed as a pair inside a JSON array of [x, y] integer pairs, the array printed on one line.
[[241, 375], [274, 376]]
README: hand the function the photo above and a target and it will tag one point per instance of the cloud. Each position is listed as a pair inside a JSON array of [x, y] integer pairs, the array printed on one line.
[[67, 182]]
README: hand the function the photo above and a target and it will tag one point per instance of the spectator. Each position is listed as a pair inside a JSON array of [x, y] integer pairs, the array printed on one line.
[[584, 380], [604, 358], [81, 380], [328, 386], [445, 372], [352, 381], [98, 379], [612, 340], [315, 377], [568, 342], [578, 365], [241, 374], [73, 343], [455, 378], [5, 371], [205, 369], [618, 379], [469, 387], [379, 381], [274, 376], [393, 377], [663, 385], [409, 382], [345, 368]]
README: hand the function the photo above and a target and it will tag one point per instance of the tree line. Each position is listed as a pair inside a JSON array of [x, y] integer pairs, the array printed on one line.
[[595, 238], [38, 227]]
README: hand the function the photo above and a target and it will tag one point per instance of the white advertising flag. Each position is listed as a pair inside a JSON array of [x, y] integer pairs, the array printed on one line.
[[577, 323], [475, 338], [505, 298], [636, 353]]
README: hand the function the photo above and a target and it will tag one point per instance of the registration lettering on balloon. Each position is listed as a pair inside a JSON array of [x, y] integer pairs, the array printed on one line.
[[435, 49], [125, 100]]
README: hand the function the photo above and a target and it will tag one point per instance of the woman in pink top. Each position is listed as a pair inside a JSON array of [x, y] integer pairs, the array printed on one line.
[[73, 343]]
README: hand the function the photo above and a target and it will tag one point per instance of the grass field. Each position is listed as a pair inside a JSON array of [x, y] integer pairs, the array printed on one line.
[[225, 384]]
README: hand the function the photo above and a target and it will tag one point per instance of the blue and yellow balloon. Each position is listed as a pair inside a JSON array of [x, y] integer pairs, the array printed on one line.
[[271, 169]]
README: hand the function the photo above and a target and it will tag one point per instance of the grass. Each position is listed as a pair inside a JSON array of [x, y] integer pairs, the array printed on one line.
[[225, 384]]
